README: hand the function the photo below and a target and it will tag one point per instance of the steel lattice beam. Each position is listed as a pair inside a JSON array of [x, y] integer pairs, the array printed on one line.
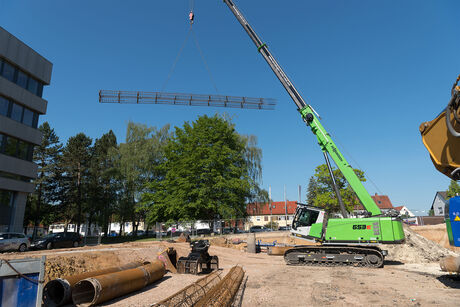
[[132, 97]]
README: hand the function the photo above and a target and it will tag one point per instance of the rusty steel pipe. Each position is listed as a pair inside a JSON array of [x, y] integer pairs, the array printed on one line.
[[58, 292], [450, 264], [98, 289]]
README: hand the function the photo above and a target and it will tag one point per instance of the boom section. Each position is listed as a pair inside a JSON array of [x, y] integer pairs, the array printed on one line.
[[309, 116], [263, 49]]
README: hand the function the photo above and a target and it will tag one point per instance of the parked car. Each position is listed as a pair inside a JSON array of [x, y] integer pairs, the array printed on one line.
[[284, 228], [139, 233], [203, 231], [56, 240], [177, 233], [13, 241], [259, 229]]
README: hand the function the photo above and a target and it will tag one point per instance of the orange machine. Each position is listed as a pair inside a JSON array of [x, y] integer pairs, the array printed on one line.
[[441, 136]]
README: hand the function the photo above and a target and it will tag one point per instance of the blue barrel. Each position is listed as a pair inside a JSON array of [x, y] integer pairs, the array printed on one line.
[[453, 221]]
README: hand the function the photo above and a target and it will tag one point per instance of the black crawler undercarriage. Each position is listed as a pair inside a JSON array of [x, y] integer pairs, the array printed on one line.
[[335, 255]]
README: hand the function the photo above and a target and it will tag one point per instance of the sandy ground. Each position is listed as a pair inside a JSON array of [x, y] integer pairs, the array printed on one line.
[[270, 282]]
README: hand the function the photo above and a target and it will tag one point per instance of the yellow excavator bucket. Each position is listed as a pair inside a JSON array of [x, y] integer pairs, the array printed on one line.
[[442, 142]]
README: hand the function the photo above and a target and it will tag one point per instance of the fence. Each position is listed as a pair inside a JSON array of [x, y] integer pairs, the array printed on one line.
[[200, 228]]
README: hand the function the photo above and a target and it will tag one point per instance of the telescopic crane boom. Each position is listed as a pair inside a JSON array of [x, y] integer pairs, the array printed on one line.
[[346, 241], [310, 117]]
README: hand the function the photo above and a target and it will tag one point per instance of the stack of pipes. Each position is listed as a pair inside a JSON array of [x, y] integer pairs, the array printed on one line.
[[90, 288]]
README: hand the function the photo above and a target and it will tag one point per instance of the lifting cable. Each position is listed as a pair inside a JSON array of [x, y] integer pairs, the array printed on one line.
[[190, 32]]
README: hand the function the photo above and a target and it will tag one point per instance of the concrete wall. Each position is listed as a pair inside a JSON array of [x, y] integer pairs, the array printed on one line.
[[20, 131], [25, 57], [24, 97], [28, 60]]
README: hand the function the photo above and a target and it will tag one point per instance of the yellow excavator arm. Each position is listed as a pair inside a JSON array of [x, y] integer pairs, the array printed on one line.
[[441, 136]]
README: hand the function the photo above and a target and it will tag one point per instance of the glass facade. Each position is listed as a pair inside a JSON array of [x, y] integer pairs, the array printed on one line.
[[14, 147], [21, 78], [6, 208], [18, 113], [4, 106], [15, 177]]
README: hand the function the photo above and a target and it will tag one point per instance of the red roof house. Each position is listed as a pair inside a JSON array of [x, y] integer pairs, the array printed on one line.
[[382, 201], [277, 208]]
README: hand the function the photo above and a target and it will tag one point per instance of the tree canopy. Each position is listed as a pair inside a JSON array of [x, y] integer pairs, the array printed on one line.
[[321, 193], [209, 171], [453, 190]]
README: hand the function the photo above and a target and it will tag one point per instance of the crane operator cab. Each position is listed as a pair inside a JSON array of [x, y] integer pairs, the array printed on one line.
[[308, 222], [313, 224]]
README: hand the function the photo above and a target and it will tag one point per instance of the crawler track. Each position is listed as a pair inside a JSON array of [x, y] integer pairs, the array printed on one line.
[[335, 256]]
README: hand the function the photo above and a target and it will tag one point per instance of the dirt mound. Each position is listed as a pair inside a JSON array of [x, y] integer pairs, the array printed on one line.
[[417, 249], [436, 233], [183, 238], [220, 241], [69, 265]]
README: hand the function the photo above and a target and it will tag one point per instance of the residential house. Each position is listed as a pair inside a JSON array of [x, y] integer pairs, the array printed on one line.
[[439, 203], [382, 201], [280, 212], [403, 211]]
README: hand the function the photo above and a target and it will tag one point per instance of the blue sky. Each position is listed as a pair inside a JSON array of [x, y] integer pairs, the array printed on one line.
[[374, 71]]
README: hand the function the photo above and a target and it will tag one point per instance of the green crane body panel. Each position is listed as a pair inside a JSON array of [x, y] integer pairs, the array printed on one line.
[[360, 230], [316, 230], [449, 231], [328, 145]]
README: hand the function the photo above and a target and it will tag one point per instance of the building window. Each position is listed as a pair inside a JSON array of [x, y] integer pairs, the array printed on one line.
[[16, 148], [32, 86], [265, 218], [6, 207], [8, 71], [18, 113], [4, 106], [258, 218], [22, 79], [14, 176], [11, 145], [28, 118]]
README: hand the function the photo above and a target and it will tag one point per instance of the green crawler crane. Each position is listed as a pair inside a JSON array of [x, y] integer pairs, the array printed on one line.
[[344, 241]]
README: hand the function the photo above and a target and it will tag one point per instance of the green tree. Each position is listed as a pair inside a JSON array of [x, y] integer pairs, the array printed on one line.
[[321, 192], [453, 190], [102, 185], [45, 156], [208, 172], [136, 163], [311, 191], [253, 158], [74, 167]]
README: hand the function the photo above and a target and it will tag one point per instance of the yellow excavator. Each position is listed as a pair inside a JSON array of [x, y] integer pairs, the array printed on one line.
[[441, 137]]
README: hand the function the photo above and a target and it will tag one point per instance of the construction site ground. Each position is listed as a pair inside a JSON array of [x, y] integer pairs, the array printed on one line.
[[411, 275]]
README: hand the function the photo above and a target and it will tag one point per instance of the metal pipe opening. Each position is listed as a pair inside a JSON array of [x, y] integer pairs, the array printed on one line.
[[56, 293], [84, 293]]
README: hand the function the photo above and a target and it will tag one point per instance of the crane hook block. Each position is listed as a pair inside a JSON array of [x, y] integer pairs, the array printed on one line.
[[191, 16]]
